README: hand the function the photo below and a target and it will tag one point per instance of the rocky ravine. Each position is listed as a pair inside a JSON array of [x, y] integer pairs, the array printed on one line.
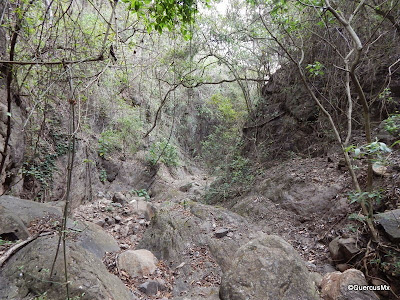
[[189, 251]]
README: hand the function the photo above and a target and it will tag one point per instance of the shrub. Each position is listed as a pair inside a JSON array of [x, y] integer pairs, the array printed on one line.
[[164, 152]]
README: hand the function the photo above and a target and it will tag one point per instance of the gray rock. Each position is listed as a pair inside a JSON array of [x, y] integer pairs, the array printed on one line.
[[390, 222], [197, 293], [119, 198], [185, 188], [220, 233], [11, 226], [150, 287], [112, 169], [334, 286], [137, 262], [28, 269], [267, 268], [343, 249], [97, 241], [28, 210], [90, 236], [143, 208]]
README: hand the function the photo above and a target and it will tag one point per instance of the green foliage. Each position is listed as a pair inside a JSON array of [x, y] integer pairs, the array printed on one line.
[[4, 242], [142, 193], [224, 108], [122, 134], [375, 151], [161, 14], [357, 217], [392, 264], [103, 175], [164, 152], [107, 142], [43, 166], [392, 125], [234, 179], [386, 95], [316, 69], [367, 197]]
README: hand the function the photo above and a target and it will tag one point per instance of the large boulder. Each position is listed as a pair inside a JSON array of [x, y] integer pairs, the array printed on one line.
[[11, 226], [268, 268], [137, 262], [89, 279], [28, 210], [335, 286], [91, 237]]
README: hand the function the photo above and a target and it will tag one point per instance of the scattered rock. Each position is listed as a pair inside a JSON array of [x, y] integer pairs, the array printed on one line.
[[327, 268], [137, 262], [149, 287], [343, 249], [117, 219], [390, 222], [119, 198], [335, 286], [101, 222], [343, 267], [109, 221], [143, 208], [267, 268], [185, 188], [380, 170], [124, 246], [152, 287], [220, 233]]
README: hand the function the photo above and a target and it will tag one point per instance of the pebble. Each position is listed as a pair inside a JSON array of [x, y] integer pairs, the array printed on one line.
[[124, 246], [220, 233], [149, 287]]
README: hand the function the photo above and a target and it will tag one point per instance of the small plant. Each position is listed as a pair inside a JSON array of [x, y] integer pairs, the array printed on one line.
[[142, 193], [4, 242], [392, 125], [107, 142], [375, 151], [164, 152], [386, 95], [103, 175], [316, 69], [375, 196]]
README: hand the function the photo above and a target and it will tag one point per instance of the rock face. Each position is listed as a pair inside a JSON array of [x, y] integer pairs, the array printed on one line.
[[335, 286], [11, 226], [29, 270], [92, 237], [137, 262], [390, 222], [267, 268]]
